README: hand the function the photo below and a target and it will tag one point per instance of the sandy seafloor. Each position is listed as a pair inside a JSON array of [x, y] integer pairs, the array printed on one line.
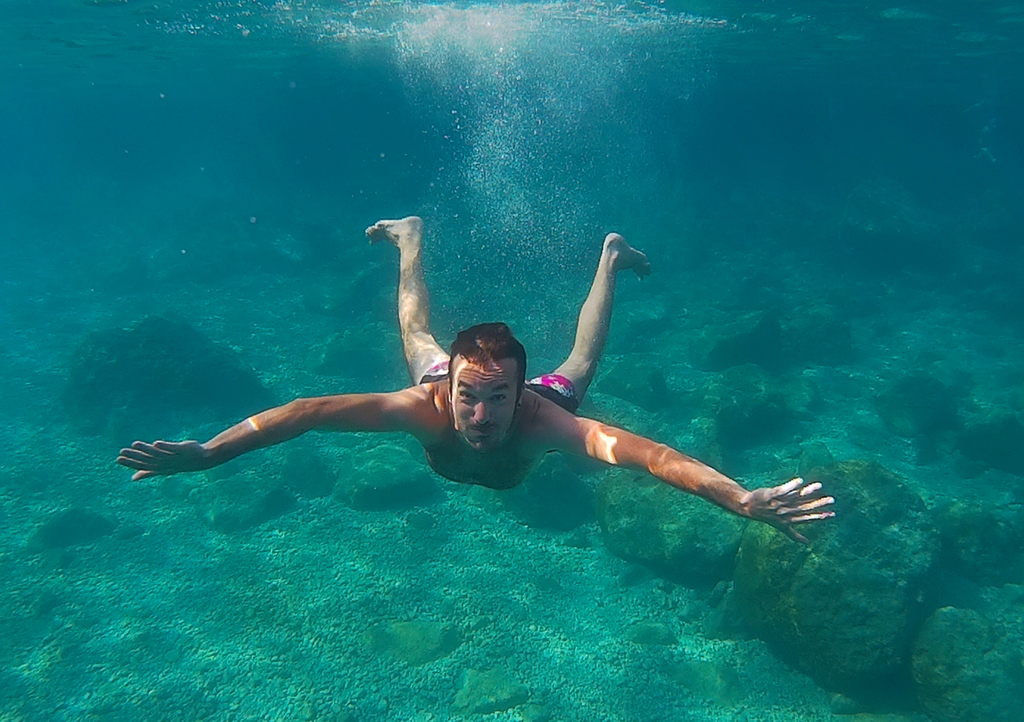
[[169, 619]]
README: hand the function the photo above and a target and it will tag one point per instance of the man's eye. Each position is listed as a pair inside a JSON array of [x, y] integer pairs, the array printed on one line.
[[499, 397]]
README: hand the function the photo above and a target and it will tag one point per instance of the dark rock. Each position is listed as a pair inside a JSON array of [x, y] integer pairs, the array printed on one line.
[[307, 474], [72, 528], [488, 692], [918, 405], [817, 335], [387, 478], [713, 680], [652, 633], [967, 668], [816, 461], [845, 609], [756, 339], [553, 497], [640, 384], [678, 535], [998, 443], [415, 642], [240, 502], [983, 542], [120, 380], [358, 354]]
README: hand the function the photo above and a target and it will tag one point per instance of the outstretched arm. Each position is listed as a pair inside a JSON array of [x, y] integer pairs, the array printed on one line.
[[399, 411], [783, 507]]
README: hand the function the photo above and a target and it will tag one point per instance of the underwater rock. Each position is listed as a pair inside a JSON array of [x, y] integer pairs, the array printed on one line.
[[749, 407], [918, 405], [71, 528], [712, 680], [358, 354], [415, 642], [647, 632], [386, 477], [884, 230], [678, 535], [305, 472], [817, 335], [553, 497], [815, 461], [119, 381], [754, 339], [641, 384], [998, 443], [845, 609], [240, 502], [488, 692], [967, 669], [983, 541]]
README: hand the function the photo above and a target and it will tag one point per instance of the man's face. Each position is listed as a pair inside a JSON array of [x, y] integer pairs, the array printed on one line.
[[483, 401]]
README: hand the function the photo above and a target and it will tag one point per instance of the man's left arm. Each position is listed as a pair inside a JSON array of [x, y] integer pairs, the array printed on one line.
[[783, 507]]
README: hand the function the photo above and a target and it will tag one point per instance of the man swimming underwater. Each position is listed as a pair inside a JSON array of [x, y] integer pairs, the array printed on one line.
[[478, 419]]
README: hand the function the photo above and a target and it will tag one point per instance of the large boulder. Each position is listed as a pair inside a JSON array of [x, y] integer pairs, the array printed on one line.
[[845, 609], [968, 667], [387, 478], [678, 535], [120, 381], [996, 442]]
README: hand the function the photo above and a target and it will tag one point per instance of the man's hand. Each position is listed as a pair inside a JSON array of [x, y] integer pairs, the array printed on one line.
[[792, 503], [162, 458]]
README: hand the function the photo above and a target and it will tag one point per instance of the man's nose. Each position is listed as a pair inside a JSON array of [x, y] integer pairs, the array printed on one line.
[[480, 412]]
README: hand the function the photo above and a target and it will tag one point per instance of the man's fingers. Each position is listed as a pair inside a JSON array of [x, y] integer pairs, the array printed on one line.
[[789, 486], [807, 506], [133, 463], [803, 519], [810, 488]]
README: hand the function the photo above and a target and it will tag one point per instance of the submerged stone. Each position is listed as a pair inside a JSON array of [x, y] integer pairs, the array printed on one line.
[[415, 642], [240, 502], [676, 534], [488, 692], [918, 405], [386, 477], [647, 632], [966, 668], [712, 680], [119, 381], [845, 609], [71, 528], [997, 443]]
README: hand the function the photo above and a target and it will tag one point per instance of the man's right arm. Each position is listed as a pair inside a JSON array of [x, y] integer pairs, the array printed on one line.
[[407, 410]]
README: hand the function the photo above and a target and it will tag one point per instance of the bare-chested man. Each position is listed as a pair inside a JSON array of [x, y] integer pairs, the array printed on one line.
[[478, 418]]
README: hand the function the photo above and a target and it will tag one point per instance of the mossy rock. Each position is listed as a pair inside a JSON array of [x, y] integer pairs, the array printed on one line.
[[918, 405], [641, 384], [983, 541], [386, 478], [967, 669], [680, 536], [73, 527], [489, 692], [754, 339], [119, 381], [845, 609], [713, 680], [415, 642], [997, 443], [553, 497], [241, 501], [650, 633], [359, 354]]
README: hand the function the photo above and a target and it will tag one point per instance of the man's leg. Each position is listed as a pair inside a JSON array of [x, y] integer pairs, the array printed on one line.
[[421, 350], [596, 314]]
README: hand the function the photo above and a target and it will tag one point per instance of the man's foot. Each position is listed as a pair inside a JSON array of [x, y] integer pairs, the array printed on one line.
[[406, 230], [623, 256]]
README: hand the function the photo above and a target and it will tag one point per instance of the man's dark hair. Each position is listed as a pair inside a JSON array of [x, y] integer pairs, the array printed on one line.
[[488, 343]]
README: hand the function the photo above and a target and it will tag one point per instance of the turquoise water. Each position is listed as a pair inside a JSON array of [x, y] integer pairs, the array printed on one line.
[[831, 195]]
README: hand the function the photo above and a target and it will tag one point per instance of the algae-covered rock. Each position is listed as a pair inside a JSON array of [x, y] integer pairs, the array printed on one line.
[[358, 354], [983, 541], [305, 472], [553, 497], [918, 405], [997, 443], [119, 381], [414, 642], [749, 407], [967, 670], [679, 535], [386, 477], [638, 383], [754, 339], [845, 609], [648, 632], [72, 527], [712, 680], [488, 692], [241, 501]]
